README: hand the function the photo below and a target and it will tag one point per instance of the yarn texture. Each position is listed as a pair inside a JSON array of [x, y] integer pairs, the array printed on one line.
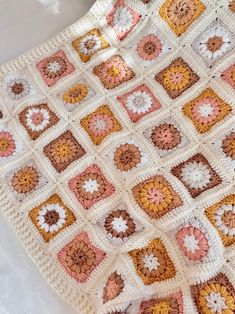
[[117, 157]]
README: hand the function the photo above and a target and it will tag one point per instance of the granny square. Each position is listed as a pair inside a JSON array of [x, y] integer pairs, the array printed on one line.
[[117, 157]]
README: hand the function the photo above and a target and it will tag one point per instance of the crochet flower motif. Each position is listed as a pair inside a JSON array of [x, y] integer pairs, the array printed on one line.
[[91, 186], [192, 242], [139, 102], [152, 263], [75, 96], [80, 257], [222, 217], [51, 217], [18, 88], [113, 288], [36, 119], [119, 224], [156, 196], [176, 78], [89, 44], [229, 76], [127, 156], [180, 14], [122, 19], [214, 296], [197, 175], [206, 110], [113, 72], [214, 42], [63, 150], [172, 304], [25, 180], [228, 145], [149, 47], [100, 124], [166, 136], [7, 144], [54, 68]]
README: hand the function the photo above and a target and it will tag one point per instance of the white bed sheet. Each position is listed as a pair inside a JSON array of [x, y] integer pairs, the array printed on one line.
[[23, 25]]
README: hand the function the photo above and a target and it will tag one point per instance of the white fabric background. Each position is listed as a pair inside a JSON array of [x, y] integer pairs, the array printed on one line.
[[23, 25]]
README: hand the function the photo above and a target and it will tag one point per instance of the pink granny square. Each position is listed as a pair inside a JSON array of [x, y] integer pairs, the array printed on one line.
[[91, 186], [55, 67], [122, 19], [139, 102], [80, 257]]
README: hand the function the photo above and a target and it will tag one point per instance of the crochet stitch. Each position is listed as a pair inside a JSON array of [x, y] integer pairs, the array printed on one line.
[[117, 157]]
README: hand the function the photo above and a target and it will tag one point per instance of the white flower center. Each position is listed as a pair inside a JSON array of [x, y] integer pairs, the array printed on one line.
[[90, 44], [191, 243], [91, 186], [216, 302], [37, 119], [196, 175], [205, 110], [100, 124], [119, 224], [54, 66], [151, 262], [123, 19], [139, 102]]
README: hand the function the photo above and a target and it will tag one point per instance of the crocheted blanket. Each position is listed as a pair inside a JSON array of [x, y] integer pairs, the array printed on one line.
[[117, 157]]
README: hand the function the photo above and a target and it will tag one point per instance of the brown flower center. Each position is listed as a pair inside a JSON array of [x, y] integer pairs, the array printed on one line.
[[127, 156], [51, 217], [82, 258], [214, 43], [166, 136], [17, 88], [89, 44], [149, 47], [228, 145], [182, 9], [75, 93], [232, 6], [228, 219], [79, 257]]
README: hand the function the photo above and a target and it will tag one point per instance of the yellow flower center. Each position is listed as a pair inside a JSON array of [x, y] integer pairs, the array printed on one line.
[[4, 144], [232, 146], [233, 75], [114, 71], [25, 178], [63, 150], [161, 308]]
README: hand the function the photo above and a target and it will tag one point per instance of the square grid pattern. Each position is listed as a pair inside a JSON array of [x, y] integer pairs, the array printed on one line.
[[118, 147]]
